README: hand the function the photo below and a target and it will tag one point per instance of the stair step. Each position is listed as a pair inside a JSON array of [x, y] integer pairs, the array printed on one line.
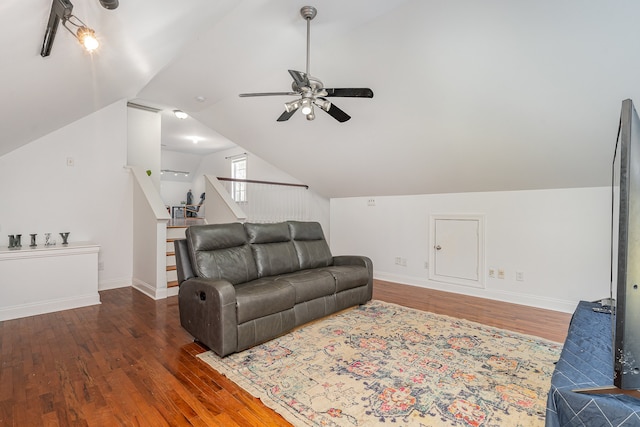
[[171, 267], [176, 232], [172, 275], [172, 253], [172, 284]]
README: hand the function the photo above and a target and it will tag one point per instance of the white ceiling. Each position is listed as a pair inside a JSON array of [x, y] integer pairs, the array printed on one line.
[[469, 95]]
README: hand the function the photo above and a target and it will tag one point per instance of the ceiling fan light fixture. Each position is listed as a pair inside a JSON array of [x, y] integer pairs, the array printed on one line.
[[323, 103], [292, 106], [311, 90], [307, 107]]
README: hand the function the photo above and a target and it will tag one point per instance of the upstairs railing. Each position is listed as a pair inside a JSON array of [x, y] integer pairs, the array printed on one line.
[[267, 201]]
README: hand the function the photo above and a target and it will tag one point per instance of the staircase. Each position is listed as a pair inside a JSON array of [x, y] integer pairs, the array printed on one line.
[[174, 232]]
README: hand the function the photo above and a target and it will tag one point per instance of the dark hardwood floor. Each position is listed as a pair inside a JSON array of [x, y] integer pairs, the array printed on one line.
[[127, 362], [551, 325]]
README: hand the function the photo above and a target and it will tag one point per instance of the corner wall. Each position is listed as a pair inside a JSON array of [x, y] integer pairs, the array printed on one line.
[[559, 239], [40, 193]]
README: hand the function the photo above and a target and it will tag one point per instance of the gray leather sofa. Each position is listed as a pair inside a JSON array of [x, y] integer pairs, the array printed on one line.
[[243, 284]]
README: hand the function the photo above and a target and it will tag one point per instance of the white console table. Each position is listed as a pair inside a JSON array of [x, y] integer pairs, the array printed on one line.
[[47, 278]]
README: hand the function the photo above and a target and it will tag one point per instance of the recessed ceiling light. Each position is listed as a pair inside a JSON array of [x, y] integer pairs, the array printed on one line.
[[201, 98], [180, 114]]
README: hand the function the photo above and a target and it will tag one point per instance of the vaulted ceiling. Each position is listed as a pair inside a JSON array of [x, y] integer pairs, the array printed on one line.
[[469, 95]]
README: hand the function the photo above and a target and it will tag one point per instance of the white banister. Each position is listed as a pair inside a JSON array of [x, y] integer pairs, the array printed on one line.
[[150, 219], [219, 206], [273, 201]]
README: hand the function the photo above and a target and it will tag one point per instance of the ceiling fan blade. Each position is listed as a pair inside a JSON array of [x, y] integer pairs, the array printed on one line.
[[364, 92], [286, 115], [244, 95], [337, 113], [299, 78]]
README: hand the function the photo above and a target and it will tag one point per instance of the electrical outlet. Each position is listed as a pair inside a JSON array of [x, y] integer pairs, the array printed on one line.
[[101, 265], [520, 276], [71, 161], [426, 265], [371, 202], [492, 272], [500, 273]]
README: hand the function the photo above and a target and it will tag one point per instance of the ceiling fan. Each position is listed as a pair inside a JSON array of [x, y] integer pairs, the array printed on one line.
[[310, 90]]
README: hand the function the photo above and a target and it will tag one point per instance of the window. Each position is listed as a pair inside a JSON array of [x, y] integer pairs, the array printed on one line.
[[239, 171]]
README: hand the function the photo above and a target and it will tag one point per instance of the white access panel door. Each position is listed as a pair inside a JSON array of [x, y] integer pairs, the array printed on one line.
[[457, 250]]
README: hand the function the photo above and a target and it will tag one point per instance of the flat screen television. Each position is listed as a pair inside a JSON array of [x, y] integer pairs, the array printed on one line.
[[626, 242]]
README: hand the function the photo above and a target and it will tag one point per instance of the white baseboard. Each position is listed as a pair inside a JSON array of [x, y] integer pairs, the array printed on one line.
[[149, 290], [49, 306], [172, 292], [546, 303]]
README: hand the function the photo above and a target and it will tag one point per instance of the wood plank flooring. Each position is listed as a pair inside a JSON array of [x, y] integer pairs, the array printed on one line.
[[551, 325], [128, 362]]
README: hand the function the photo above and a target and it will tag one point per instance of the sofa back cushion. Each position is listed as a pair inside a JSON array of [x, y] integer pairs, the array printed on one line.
[[221, 251], [272, 248], [311, 247]]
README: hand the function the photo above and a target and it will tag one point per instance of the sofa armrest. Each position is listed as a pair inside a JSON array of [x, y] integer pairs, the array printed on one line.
[[353, 260], [208, 312], [358, 260]]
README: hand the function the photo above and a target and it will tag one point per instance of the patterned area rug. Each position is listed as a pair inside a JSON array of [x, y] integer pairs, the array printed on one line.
[[386, 364]]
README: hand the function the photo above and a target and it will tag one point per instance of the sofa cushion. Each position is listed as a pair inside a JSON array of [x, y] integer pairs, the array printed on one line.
[[311, 247], [267, 233], [273, 250], [310, 284], [263, 297], [221, 251], [348, 276]]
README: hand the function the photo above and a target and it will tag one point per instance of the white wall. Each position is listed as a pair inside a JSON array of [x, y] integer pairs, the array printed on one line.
[[91, 199], [173, 193], [558, 238], [173, 189], [144, 139]]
